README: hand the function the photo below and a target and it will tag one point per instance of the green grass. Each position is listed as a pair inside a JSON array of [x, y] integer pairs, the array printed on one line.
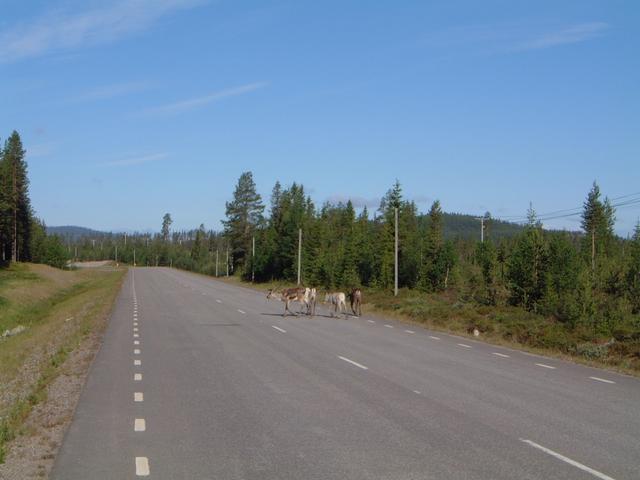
[[59, 309]]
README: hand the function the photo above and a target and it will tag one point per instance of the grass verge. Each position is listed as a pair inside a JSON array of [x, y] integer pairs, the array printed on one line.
[[58, 310]]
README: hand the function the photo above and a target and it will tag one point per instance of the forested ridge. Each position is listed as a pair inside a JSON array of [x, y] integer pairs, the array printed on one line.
[[577, 292]]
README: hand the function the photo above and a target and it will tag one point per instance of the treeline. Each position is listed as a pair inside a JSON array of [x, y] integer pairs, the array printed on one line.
[[22, 236]]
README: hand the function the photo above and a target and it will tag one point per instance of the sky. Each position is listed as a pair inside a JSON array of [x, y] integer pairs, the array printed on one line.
[[132, 108]]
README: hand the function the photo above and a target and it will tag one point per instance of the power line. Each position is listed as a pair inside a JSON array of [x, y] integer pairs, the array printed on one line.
[[572, 212]]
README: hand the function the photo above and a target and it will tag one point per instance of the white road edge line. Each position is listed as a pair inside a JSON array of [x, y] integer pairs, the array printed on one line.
[[142, 466], [465, 345], [501, 355], [353, 363], [545, 366], [434, 338], [242, 312], [279, 329], [603, 380], [579, 465], [140, 425]]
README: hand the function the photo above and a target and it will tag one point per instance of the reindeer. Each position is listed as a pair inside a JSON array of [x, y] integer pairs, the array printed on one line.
[[289, 295], [356, 301], [310, 295], [338, 300]]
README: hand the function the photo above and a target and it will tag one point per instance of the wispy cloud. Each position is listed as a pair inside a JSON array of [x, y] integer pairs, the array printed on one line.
[[62, 31], [184, 105], [126, 162], [109, 91], [574, 34]]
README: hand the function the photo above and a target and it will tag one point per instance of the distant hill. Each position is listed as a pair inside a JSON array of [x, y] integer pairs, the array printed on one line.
[[458, 225], [74, 233]]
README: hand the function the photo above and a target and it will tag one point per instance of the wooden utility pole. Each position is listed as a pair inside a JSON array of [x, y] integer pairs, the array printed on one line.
[[253, 259], [593, 249], [299, 254], [227, 260], [395, 285], [217, 262]]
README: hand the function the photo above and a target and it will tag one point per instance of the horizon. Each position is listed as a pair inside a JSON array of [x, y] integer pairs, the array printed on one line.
[[132, 109]]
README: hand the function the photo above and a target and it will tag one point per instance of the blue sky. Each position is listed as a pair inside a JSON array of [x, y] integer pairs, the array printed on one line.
[[130, 109]]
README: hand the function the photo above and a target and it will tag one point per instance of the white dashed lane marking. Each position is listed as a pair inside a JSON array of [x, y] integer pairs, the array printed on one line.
[[371, 321], [409, 331], [388, 326], [279, 329], [137, 377], [434, 338], [142, 466], [418, 392], [545, 366], [219, 301], [136, 342], [603, 380], [501, 355], [359, 365], [140, 425], [464, 345], [136, 335], [242, 312], [579, 465], [137, 363], [138, 397], [136, 351]]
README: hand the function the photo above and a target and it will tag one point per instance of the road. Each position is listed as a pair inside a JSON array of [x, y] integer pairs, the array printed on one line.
[[199, 379]]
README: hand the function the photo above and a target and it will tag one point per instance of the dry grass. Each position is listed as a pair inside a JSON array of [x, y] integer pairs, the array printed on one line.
[[59, 309]]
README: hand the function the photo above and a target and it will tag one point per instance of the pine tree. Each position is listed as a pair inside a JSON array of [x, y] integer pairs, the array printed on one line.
[[166, 225], [244, 216]]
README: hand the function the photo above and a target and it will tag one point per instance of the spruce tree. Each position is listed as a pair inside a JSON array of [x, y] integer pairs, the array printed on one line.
[[598, 219], [15, 203]]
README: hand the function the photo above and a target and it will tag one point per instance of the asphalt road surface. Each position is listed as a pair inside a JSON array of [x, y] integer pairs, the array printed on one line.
[[198, 379]]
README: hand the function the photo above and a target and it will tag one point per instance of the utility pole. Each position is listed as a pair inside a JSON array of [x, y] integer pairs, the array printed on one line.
[[75, 255], [593, 249], [116, 255], [299, 253], [481, 228], [253, 259], [395, 286], [134, 257], [227, 260], [125, 239], [217, 252]]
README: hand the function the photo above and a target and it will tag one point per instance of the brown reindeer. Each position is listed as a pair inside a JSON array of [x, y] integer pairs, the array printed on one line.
[[356, 301], [289, 295]]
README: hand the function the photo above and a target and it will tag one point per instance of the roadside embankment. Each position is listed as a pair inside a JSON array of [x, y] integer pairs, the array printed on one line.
[[50, 327]]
